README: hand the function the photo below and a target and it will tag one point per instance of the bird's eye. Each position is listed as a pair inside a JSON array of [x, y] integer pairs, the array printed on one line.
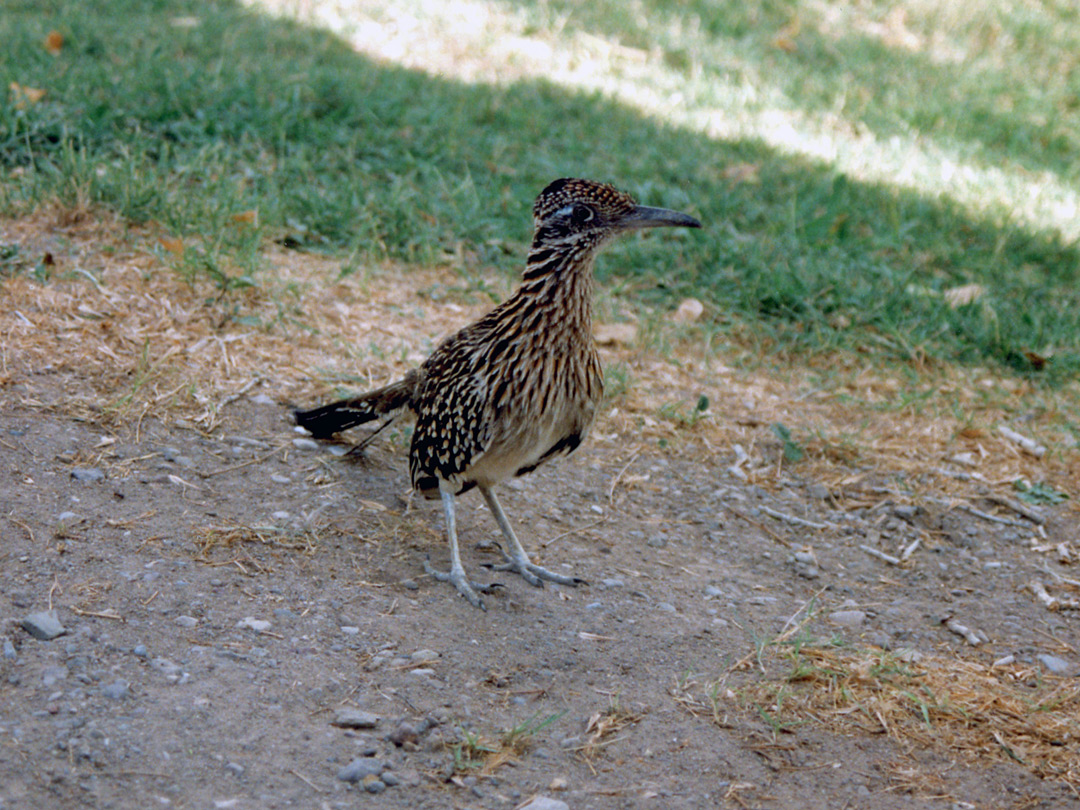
[[581, 214]]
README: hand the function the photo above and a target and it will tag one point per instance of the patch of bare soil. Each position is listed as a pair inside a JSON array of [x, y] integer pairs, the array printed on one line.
[[883, 624]]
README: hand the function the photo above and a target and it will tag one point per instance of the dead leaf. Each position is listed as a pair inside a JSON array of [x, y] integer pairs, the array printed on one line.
[[23, 96], [54, 42], [250, 217], [607, 334], [172, 244], [1038, 361], [785, 37]]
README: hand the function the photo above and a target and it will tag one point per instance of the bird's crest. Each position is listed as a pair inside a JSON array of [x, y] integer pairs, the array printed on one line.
[[601, 199]]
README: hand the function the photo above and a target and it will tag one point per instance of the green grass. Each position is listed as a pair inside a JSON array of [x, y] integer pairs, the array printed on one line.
[[188, 113]]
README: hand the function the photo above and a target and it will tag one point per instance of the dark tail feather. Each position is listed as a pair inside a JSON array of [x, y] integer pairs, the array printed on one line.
[[324, 421]]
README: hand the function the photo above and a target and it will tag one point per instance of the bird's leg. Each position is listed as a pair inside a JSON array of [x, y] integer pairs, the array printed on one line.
[[456, 576], [517, 560]]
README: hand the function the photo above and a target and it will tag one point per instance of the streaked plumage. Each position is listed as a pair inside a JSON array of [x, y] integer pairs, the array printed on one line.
[[519, 386]]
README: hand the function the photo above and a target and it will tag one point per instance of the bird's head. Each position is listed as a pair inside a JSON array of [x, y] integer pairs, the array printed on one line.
[[584, 213]]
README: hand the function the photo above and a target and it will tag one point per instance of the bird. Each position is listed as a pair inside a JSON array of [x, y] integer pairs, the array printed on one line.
[[517, 388]]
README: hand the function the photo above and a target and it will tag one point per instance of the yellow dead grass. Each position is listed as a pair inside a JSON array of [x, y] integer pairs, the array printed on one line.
[[977, 711]]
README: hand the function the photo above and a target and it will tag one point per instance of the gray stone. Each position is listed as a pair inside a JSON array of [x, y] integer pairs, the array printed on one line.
[[173, 673], [355, 718], [235, 767], [656, 541], [9, 650], [1057, 666], [848, 618], [612, 583], [390, 779], [359, 768], [187, 621], [424, 657], [305, 444], [258, 625], [139, 650], [544, 803], [87, 474], [43, 625], [51, 675], [373, 784], [117, 690]]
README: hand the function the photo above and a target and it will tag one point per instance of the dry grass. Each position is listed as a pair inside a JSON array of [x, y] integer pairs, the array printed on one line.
[[940, 702]]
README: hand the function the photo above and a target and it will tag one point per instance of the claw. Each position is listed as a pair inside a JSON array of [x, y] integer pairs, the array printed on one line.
[[461, 583]]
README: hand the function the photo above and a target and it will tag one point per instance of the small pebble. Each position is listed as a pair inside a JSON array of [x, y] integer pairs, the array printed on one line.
[[656, 541], [355, 718], [51, 675], [544, 803], [235, 767], [305, 444], [9, 650], [278, 478], [424, 657], [612, 583], [258, 625], [139, 650], [848, 618], [67, 517], [359, 769], [43, 625], [390, 779], [373, 784], [1057, 666], [186, 621], [281, 514], [350, 629], [172, 672], [117, 690]]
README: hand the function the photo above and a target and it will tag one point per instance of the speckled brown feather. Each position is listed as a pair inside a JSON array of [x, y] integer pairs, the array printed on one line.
[[522, 384]]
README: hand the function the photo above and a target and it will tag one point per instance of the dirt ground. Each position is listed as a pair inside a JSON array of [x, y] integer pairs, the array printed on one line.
[[247, 623]]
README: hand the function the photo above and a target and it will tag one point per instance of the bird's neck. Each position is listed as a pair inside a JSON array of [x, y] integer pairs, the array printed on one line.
[[560, 283]]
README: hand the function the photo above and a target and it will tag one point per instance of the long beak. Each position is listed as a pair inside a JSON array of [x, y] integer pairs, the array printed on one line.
[[644, 217]]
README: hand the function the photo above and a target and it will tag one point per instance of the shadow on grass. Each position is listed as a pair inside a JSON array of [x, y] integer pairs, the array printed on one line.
[[186, 113]]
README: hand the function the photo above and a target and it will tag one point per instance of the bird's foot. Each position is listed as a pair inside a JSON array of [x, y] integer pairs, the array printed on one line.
[[458, 579], [535, 574]]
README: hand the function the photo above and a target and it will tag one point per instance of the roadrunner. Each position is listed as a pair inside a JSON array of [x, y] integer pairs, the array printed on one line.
[[518, 387]]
